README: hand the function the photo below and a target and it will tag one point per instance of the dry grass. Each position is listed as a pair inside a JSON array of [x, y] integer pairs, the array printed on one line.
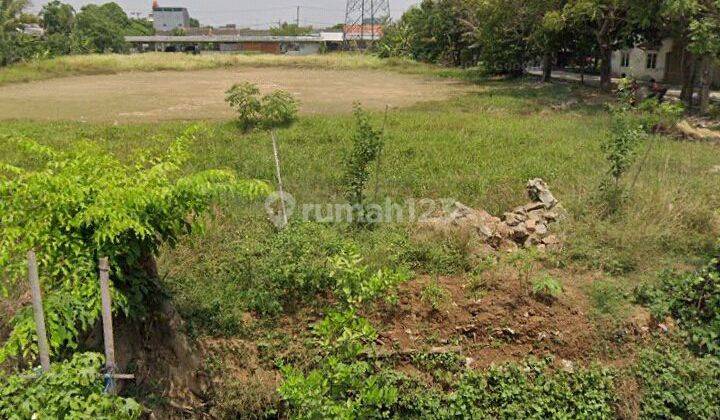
[[116, 63]]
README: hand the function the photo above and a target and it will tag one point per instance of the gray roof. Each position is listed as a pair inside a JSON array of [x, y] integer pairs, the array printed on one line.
[[224, 38]]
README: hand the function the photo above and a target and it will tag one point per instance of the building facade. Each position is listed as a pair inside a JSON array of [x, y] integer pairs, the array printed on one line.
[[169, 18], [662, 63]]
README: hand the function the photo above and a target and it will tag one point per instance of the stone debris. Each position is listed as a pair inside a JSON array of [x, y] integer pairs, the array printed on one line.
[[525, 226]]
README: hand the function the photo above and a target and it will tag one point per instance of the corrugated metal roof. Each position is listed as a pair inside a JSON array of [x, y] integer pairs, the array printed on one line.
[[229, 38]]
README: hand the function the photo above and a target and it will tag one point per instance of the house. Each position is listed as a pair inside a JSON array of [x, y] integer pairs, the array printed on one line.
[[662, 63], [166, 19]]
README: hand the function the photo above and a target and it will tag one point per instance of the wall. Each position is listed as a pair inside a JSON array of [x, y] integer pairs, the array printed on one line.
[[638, 62], [169, 20]]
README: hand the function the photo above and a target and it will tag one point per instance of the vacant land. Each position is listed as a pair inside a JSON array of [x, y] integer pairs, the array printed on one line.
[[199, 95], [242, 286]]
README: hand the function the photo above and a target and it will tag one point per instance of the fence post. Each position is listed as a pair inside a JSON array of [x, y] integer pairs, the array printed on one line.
[[38, 313], [279, 178], [107, 325]]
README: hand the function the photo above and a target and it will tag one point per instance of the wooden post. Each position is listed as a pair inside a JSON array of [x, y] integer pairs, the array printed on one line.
[[279, 178], [107, 321], [38, 313]]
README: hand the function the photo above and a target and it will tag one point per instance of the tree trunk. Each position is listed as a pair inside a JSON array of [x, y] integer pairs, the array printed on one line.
[[688, 79], [605, 68], [705, 81], [547, 67]]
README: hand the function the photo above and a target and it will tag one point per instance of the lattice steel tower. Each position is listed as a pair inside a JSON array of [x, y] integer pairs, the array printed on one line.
[[364, 19]]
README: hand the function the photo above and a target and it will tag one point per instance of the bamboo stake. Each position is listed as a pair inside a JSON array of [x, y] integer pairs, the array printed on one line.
[[38, 313], [378, 166], [107, 322], [279, 178]]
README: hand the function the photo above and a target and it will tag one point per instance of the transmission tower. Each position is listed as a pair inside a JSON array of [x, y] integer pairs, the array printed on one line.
[[363, 16]]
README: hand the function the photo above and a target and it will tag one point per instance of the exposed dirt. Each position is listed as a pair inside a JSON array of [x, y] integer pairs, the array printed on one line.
[[199, 95], [501, 323]]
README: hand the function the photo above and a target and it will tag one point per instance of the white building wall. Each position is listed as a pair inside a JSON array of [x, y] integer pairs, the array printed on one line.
[[637, 67], [169, 20]]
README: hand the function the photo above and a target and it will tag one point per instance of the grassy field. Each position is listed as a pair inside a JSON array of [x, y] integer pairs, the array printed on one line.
[[480, 149], [78, 65]]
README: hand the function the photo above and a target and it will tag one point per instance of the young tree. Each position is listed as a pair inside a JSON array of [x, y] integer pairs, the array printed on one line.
[[85, 204]]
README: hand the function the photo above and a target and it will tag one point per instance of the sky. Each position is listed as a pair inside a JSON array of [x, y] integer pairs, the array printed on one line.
[[248, 13]]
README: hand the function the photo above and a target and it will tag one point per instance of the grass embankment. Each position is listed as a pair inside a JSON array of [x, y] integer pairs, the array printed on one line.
[[238, 283], [77, 65]]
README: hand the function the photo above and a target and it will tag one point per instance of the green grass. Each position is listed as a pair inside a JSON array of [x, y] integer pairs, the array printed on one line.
[[76, 65]]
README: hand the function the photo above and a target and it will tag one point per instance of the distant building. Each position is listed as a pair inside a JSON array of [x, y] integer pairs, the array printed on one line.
[[32, 29], [169, 18], [662, 63]]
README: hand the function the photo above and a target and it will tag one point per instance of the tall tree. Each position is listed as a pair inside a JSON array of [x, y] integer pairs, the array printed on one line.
[[705, 44], [608, 19], [58, 18], [11, 12]]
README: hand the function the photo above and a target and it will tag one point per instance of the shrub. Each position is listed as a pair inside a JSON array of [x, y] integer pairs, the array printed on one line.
[[244, 99], [83, 204], [435, 295], [273, 110], [72, 389], [674, 384], [693, 300], [277, 109], [546, 288], [367, 145], [356, 284]]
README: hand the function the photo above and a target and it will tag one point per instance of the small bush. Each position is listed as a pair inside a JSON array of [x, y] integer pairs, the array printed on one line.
[[72, 389], [546, 288], [273, 110], [676, 385], [435, 295], [355, 284], [693, 300]]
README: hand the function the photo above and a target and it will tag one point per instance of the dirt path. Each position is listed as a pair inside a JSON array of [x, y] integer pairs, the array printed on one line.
[[147, 97]]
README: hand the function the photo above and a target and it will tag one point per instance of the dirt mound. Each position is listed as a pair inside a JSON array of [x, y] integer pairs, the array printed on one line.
[[504, 323]]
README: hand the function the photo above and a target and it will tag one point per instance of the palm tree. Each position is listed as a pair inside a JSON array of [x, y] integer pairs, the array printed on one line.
[[10, 14]]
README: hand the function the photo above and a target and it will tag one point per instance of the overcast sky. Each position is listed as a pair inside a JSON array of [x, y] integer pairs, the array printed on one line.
[[248, 13]]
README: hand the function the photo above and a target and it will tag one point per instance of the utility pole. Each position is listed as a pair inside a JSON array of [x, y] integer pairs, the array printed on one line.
[[297, 19]]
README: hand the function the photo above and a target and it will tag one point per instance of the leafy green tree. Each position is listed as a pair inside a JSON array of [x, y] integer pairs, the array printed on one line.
[[11, 17], [290, 29], [83, 204], [435, 31], [57, 18], [609, 22]]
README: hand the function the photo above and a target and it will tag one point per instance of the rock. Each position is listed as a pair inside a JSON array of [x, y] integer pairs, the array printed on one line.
[[538, 191], [567, 366], [715, 169], [535, 205], [530, 225], [541, 230]]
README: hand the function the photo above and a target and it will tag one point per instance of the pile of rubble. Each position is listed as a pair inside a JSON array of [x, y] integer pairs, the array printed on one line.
[[525, 226]]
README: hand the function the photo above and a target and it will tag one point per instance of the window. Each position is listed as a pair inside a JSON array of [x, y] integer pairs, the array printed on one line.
[[625, 59], [651, 62]]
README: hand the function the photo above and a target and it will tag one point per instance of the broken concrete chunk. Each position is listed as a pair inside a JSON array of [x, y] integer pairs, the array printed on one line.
[[524, 226], [538, 191]]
